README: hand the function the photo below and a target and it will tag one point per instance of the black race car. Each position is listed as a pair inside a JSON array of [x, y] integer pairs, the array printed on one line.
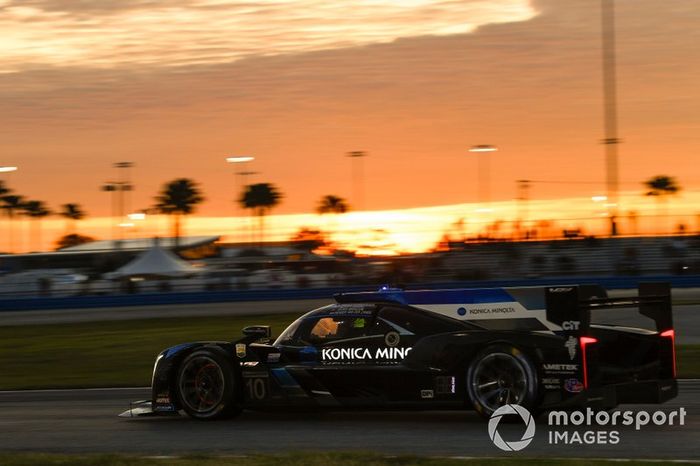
[[431, 349]]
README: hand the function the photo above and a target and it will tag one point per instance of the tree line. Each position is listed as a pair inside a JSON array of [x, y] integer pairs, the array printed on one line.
[[182, 196], [176, 199]]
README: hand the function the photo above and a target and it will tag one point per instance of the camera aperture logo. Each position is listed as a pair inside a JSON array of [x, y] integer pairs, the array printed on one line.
[[526, 417]]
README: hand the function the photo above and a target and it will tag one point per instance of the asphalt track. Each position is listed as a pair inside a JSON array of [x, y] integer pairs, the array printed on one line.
[[85, 421]]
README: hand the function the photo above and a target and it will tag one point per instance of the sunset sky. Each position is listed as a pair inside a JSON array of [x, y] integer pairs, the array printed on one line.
[[177, 85]]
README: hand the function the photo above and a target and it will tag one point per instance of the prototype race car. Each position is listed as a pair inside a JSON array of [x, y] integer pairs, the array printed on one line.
[[431, 349]]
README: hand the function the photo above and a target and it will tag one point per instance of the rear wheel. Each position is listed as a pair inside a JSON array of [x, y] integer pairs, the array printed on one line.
[[206, 385], [501, 375]]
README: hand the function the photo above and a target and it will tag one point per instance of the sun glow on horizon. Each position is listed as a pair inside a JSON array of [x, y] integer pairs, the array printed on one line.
[[404, 231]]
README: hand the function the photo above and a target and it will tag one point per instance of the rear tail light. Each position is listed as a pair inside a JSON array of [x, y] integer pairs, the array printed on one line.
[[584, 342], [671, 333]]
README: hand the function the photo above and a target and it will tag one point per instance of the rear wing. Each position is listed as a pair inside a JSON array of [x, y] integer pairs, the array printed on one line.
[[570, 306]]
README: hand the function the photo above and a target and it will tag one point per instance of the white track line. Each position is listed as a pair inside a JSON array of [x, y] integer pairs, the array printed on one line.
[[567, 458], [105, 389], [66, 390]]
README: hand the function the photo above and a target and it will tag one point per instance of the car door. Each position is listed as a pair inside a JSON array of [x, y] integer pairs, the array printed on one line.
[[324, 352], [406, 380]]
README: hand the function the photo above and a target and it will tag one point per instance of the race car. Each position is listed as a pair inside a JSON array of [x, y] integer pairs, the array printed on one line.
[[431, 349]]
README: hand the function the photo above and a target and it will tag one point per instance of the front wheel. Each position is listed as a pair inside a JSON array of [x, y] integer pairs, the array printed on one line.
[[501, 375], [206, 386]]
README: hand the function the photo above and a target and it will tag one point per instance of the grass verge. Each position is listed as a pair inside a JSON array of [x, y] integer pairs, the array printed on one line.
[[107, 354], [293, 459], [688, 360], [121, 353]]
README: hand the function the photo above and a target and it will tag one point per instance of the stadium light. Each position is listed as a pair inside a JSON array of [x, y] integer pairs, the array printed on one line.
[[240, 159], [483, 172], [483, 148], [358, 177]]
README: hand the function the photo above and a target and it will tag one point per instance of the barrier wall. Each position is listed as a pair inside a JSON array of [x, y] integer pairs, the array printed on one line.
[[166, 298], [200, 297]]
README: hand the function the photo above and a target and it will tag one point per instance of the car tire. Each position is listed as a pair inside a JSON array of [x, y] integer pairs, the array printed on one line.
[[500, 375], [206, 385]]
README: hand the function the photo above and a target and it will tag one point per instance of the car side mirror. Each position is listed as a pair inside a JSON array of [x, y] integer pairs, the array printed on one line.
[[257, 332]]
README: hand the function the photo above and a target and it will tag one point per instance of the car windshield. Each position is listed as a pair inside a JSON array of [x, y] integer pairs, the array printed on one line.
[[286, 336], [333, 328]]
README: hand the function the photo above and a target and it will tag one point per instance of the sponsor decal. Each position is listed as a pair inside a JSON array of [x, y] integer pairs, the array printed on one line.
[[560, 367], [163, 400], [551, 383], [571, 345], [164, 408], [240, 350], [352, 309], [573, 385], [445, 385], [493, 310], [360, 354], [527, 436], [427, 394], [560, 290], [555, 369], [273, 357], [570, 324]]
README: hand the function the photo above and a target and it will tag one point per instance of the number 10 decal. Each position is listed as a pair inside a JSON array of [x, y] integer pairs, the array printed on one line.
[[257, 388]]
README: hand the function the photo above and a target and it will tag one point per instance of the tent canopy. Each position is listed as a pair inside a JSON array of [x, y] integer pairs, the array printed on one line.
[[157, 262]]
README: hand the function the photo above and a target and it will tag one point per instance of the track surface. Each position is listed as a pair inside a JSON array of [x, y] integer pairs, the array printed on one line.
[[80, 421]]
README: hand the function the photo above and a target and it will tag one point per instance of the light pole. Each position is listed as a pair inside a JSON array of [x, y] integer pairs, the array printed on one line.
[[523, 200], [240, 160], [611, 139], [244, 176], [118, 188], [126, 186], [9, 169], [358, 177], [483, 172]]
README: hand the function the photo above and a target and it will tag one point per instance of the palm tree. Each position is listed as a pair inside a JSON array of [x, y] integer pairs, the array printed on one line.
[[72, 213], [36, 210], [260, 198], [12, 205], [72, 239], [661, 187], [177, 198], [331, 204]]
